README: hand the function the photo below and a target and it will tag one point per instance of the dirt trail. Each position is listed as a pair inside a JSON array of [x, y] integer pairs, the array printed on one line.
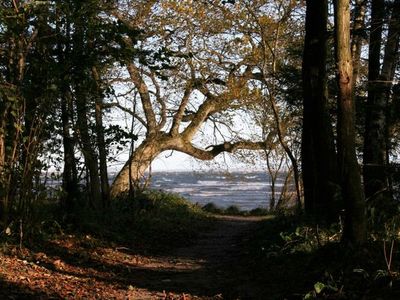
[[70, 271], [209, 259]]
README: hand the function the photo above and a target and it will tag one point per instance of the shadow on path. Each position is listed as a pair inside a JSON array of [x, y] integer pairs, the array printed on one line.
[[200, 271]]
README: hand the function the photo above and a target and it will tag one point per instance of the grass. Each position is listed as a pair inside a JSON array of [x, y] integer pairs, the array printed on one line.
[[153, 221]]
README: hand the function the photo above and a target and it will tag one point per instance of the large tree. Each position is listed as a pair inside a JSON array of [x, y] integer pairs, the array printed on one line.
[[319, 162], [349, 170], [380, 77], [198, 75]]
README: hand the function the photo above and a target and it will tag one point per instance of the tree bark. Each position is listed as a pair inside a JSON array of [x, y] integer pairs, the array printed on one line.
[[101, 145], [355, 221], [135, 168], [357, 40], [376, 149], [319, 162], [70, 174], [3, 194], [374, 157], [82, 83], [88, 150]]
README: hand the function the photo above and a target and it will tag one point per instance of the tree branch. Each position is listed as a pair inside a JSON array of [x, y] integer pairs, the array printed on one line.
[[144, 97], [124, 109], [160, 101], [179, 115], [215, 150]]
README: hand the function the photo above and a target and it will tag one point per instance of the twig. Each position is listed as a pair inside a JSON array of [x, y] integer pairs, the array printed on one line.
[[318, 240], [21, 234], [388, 260]]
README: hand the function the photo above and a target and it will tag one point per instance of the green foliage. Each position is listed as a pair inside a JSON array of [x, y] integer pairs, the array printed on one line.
[[152, 219]]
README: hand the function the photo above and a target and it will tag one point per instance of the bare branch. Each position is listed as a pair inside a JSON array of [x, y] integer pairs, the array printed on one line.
[[201, 154], [144, 97], [160, 101], [178, 117], [124, 109]]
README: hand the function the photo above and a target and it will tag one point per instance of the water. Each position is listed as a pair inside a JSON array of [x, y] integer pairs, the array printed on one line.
[[244, 190]]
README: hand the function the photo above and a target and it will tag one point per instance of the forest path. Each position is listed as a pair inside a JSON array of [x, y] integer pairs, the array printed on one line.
[[69, 269], [208, 262]]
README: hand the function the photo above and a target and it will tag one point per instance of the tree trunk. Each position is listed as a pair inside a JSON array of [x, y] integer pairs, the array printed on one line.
[[88, 150], [376, 148], [272, 175], [358, 37], [3, 195], [384, 84], [81, 57], [105, 187], [355, 221], [70, 177], [70, 173], [135, 168], [375, 179], [319, 164], [288, 151]]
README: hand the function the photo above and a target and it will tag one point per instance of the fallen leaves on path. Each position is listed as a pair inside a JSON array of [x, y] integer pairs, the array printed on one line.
[[82, 268]]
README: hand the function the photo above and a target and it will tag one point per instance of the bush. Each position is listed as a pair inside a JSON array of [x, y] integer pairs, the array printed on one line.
[[212, 208], [259, 212], [153, 219], [233, 210]]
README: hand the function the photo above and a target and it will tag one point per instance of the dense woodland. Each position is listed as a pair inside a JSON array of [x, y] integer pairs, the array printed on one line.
[[309, 87]]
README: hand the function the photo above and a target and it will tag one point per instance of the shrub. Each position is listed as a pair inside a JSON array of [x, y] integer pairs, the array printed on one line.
[[212, 208], [233, 210]]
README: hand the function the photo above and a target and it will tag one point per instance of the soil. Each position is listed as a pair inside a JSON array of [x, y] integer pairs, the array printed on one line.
[[72, 268]]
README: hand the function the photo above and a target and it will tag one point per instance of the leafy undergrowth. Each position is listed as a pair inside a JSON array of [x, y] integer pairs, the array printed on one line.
[[112, 255], [288, 258], [153, 222], [128, 253]]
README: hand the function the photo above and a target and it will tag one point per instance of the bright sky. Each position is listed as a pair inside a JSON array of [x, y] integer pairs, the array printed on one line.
[[176, 161], [173, 161]]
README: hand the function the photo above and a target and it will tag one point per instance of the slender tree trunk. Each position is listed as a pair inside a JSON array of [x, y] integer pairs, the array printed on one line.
[[375, 179], [81, 57], [273, 175], [358, 37], [3, 195], [355, 222], [288, 151], [105, 186], [70, 174], [385, 83], [70, 177], [284, 194], [319, 163], [88, 150]]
